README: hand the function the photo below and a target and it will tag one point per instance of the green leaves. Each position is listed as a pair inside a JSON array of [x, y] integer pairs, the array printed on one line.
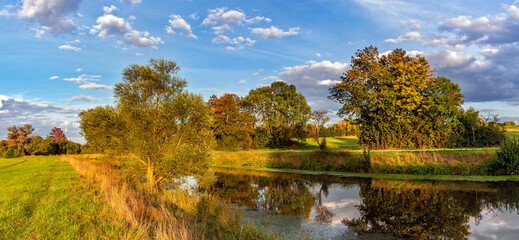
[[397, 100], [163, 127], [279, 108]]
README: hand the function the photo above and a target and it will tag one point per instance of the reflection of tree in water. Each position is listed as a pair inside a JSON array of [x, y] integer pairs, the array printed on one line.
[[434, 211], [323, 215], [284, 197]]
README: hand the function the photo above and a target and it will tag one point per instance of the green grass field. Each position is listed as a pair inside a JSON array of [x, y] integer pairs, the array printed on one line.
[[512, 132], [43, 198], [346, 143]]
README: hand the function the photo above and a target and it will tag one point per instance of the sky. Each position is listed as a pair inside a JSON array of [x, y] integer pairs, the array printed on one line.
[[59, 57]]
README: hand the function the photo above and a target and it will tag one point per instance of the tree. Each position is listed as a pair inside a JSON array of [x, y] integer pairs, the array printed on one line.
[[57, 135], [165, 129], [397, 101], [280, 110], [232, 125], [319, 118], [19, 136]]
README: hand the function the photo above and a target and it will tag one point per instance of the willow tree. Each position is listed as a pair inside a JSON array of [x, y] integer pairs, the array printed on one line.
[[397, 101], [155, 121]]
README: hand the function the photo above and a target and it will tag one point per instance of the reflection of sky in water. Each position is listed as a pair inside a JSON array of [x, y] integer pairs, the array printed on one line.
[[341, 202], [480, 208], [496, 225]]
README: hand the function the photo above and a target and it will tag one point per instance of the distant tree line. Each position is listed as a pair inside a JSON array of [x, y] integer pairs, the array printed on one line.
[[21, 142], [389, 101]]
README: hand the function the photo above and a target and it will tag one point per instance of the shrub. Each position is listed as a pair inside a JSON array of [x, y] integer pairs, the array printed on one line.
[[323, 146], [507, 159], [13, 152]]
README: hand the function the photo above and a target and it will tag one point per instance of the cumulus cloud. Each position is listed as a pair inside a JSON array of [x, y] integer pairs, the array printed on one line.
[[243, 81], [69, 48], [410, 36], [314, 79], [230, 17], [222, 21], [178, 22], [274, 32], [96, 86], [110, 26], [43, 117], [54, 77], [500, 29], [52, 15]]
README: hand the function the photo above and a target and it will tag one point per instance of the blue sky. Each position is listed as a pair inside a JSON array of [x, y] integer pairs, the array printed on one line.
[[61, 56]]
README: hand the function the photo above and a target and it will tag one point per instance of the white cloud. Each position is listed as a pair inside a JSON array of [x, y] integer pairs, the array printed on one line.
[[313, 80], [255, 74], [176, 21], [221, 16], [53, 77], [80, 98], [317, 54], [69, 48], [4, 13], [83, 78], [194, 16], [96, 86], [328, 82], [42, 116], [274, 32], [141, 39], [271, 78], [413, 24], [237, 42], [79, 69], [52, 15], [109, 26], [242, 81], [222, 19], [131, 1], [410, 36]]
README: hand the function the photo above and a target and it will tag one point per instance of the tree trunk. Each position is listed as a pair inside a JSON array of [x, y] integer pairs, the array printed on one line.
[[150, 177]]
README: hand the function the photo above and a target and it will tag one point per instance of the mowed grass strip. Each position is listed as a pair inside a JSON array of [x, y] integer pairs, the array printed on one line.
[[43, 198]]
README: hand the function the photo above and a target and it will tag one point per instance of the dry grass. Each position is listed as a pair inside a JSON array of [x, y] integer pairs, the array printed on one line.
[[172, 214]]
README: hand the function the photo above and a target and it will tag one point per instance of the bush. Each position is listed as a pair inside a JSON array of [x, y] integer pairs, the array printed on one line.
[[323, 146], [13, 152], [507, 159], [365, 163]]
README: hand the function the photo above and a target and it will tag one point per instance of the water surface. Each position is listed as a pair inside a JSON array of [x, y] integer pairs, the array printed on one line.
[[329, 207]]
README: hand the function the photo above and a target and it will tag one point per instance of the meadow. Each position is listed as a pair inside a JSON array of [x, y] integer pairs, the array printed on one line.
[[44, 198], [73, 197]]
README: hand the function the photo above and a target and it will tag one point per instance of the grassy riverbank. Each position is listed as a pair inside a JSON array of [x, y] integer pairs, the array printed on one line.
[[44, 198], [73, 197], [463, 162]]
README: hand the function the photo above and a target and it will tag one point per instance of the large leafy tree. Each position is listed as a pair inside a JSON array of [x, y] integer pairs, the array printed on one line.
[[155, 121], [232, 125], [57, 135], [398, 101], [279, 109], [20, 136]]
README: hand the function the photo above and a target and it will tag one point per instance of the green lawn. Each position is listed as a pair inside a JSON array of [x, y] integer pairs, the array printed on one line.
[[43, 198], [512, 132], [346, 143]]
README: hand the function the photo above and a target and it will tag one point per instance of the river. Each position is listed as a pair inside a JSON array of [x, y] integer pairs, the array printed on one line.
[[296, 206]]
